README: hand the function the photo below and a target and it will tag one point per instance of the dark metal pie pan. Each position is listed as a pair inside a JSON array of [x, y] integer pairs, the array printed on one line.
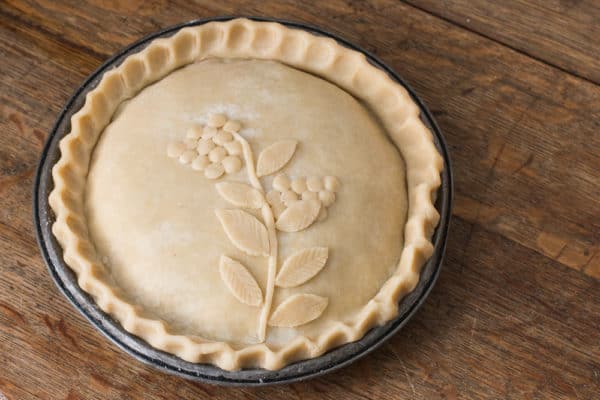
[[66, 280]]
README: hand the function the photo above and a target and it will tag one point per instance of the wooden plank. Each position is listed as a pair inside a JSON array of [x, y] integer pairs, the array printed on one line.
[[561, 33], [506, 319]]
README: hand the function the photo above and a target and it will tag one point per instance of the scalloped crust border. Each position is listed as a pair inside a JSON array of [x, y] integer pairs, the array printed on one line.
[[242, 38]]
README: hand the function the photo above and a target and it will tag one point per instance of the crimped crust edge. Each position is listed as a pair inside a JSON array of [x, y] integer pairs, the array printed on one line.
[[242, 38]]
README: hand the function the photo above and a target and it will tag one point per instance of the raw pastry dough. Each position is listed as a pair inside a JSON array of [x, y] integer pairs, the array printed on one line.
[[356, 171]]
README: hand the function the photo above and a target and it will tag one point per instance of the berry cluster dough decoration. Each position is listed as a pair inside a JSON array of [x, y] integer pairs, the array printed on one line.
[[288, 191], [211, 148]]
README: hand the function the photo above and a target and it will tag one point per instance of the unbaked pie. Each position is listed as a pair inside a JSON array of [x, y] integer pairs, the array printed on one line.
[[246, 194]]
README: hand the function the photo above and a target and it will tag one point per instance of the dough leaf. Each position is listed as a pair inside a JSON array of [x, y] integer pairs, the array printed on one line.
[[275, 156], [298, 310], [302, 266], [245, 231], [298, 216], [240, 194], [240, 281]]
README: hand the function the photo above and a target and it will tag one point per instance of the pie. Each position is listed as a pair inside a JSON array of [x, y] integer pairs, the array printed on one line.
[[245, 194]]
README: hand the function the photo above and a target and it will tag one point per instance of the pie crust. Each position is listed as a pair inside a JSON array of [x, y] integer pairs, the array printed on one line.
[[83, 214]]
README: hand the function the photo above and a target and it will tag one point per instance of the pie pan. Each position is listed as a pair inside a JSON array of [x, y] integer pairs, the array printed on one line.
[[66, 280]]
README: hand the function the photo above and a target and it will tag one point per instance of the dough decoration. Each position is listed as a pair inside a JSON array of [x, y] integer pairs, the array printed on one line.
[[299, 215], [245, 231], [287, 191], [210, 148], [292, 205], [240, 281], [240, 194], [274, 157], [302, 266], [297, 310]]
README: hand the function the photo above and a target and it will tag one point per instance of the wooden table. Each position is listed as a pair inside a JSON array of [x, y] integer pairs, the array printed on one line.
[[515, 88]]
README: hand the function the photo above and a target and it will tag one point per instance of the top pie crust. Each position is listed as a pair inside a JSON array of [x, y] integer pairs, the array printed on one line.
[[150, 238]]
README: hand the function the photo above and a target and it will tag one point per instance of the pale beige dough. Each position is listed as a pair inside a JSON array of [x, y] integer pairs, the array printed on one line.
[[153, 218]]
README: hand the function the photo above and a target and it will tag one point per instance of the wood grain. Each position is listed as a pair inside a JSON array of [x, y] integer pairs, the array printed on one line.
[[516, 311], [559, 32]]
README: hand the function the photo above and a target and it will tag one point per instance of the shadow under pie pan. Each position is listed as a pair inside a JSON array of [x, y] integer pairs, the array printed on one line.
[[66, 280]]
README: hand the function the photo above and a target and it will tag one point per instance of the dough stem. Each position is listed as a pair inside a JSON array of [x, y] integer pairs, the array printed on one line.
[[269, 222]]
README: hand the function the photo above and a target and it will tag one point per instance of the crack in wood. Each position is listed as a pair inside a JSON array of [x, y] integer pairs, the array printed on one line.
[[12, 313]]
